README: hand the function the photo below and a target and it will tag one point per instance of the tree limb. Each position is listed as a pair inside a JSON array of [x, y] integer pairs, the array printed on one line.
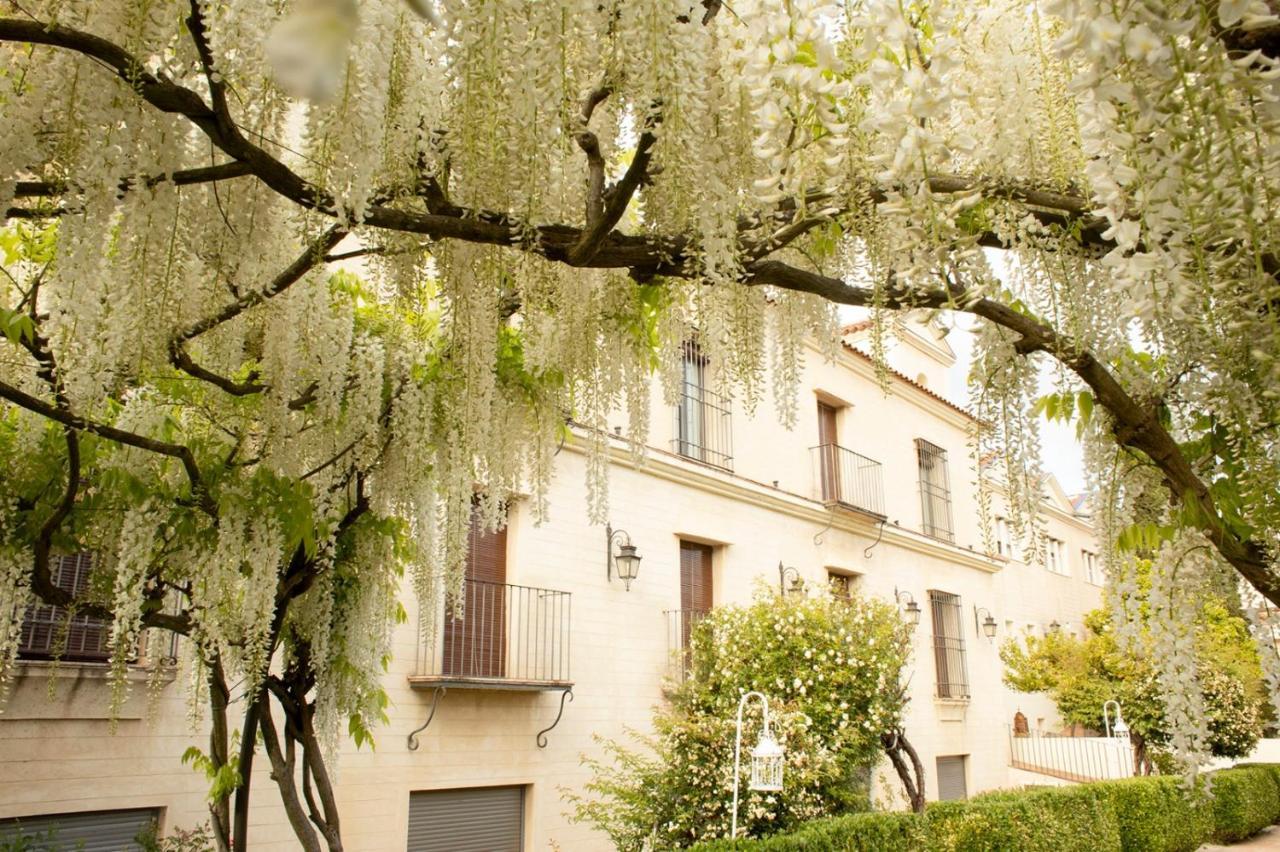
[[184, 177], [282, 773], [1135, 426], [111, 433], [592, 237]]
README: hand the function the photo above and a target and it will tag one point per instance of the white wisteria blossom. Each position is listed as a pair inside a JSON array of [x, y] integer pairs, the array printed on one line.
[[315, 280]]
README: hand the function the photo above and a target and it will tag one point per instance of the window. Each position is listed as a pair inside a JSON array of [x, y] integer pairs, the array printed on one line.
[[476, 819], [1092, 571], [703, 428], [841, 585], [696, 586], [1004, 541], [474, 643], [948, 645], [935, 490], [46, 631], [1055, 555], [90, 831], [951, 777], [828, 451]]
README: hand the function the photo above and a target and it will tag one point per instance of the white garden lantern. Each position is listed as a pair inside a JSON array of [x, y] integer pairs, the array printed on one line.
[[766, 764], [766, 759]]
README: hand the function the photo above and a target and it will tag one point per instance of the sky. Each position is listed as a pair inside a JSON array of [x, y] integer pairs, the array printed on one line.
[[1060, 453]]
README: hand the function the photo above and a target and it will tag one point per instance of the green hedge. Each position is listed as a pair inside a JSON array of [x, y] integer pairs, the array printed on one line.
[[1133, 815]]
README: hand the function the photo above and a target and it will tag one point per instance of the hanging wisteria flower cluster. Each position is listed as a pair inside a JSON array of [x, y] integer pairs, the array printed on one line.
[[295, 288]]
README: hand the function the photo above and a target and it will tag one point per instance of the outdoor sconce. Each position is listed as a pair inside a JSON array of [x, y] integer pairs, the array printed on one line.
[[1119, 730], [911, 608], [797, 584], [1054, 628], [988, 625], [626, 560], [767, 759]]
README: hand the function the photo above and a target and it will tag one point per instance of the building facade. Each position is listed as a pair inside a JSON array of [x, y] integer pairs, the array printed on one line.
[[870, 492]]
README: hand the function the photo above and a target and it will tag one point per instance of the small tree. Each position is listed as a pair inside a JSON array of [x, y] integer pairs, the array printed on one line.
[[1081, 674], [831, 669]]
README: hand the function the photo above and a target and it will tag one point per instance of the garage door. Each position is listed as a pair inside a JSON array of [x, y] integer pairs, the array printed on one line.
[[951, 778], [478, 819], [96, 831]]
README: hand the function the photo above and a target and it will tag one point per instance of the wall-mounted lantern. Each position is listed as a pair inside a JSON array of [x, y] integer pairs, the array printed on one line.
[[909, 606], [797, 584], [626, 560], [987, 625], [1054, 628]]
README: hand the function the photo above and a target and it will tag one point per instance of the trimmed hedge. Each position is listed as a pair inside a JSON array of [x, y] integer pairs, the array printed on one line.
[[1133, 815]]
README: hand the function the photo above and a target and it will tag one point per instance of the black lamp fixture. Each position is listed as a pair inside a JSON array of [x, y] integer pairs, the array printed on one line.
[[1054, 627], [626, 560], [797, 583], [988, 624], [909, 605]]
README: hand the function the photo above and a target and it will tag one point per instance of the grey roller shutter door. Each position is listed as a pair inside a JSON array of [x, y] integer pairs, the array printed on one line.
[[97, 831], [479, 819], [951, 778]]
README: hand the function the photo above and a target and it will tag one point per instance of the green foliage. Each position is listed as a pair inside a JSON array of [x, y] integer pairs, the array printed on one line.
[[1081, 674], [1245, 801], [223, 780], [1050, 820], [198, 839], [1134, 815], [867, 832], [831, 669]]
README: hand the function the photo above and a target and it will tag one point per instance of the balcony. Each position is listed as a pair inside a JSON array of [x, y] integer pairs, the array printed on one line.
[[844, 478], [703, 427], [680, 624], [504, 637]]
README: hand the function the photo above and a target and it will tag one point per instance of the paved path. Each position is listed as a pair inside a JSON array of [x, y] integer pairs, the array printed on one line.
[[1268, 839]]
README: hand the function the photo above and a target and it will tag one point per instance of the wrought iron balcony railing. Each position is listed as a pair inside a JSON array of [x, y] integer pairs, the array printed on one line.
[[844, 477], [703, 427], [505, 635], [680, 624]]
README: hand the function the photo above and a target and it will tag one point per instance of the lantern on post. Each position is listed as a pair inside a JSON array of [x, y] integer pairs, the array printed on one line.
[[797, 583], [767, 758], [1119, 730]]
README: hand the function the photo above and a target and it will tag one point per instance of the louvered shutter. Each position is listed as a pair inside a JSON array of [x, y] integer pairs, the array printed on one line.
[[695, 576], [951, 784], [483, 819], [476, 644], [86, 638], [97, 831], [829, 452]]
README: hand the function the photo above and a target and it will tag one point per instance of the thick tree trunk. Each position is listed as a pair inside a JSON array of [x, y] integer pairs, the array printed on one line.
[[895, 745], [219, 810]]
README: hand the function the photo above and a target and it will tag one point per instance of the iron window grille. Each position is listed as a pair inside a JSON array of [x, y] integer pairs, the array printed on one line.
[[704, 427], [935, 491], [948, 645]]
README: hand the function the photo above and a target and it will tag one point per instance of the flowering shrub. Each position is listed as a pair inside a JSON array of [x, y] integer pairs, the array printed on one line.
[[830, 668]]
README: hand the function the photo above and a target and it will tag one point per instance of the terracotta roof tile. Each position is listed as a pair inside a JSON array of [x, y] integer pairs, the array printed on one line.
[[904, 377], [855, 327]]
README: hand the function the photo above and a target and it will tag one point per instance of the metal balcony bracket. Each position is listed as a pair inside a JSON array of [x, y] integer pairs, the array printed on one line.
[[542, 735], [435, 702]]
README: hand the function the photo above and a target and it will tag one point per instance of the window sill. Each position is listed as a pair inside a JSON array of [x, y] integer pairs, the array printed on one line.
[[46, 690], [951, 709]]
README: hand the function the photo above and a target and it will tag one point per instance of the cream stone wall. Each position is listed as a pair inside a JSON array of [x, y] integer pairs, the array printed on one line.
[[60, 757]]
